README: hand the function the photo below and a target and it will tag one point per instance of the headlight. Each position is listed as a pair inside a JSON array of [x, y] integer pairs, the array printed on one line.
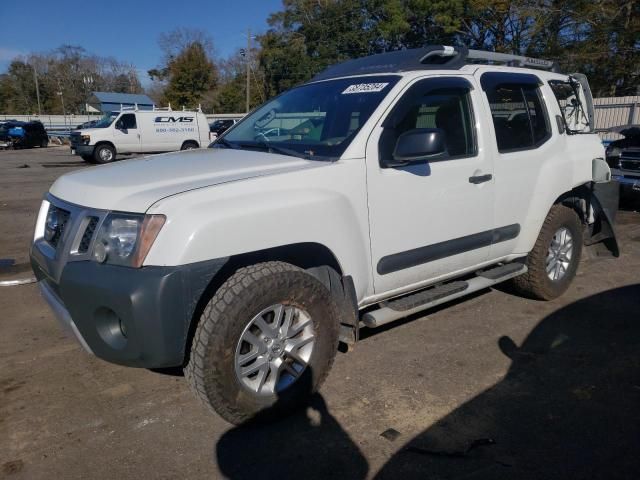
[[126, 238], [86, 139]]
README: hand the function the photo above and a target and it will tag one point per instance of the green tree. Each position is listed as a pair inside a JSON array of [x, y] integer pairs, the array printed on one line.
[[190, 76]]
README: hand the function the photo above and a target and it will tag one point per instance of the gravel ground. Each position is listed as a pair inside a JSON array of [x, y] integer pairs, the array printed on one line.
[[494, 386]]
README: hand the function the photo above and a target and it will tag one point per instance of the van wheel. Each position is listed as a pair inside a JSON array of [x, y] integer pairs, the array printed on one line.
[[104, 154], [189, 145], [555, 257], [264, 343]]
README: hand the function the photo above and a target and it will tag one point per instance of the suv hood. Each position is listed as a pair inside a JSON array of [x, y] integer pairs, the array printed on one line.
[[134, 185]]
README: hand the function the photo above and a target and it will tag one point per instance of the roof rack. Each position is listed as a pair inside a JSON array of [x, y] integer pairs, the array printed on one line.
[[432, 57]]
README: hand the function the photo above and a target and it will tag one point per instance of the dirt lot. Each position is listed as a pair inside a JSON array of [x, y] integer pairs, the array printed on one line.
[[491, 387]]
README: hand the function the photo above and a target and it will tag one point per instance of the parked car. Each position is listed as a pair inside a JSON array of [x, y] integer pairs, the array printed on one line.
[[140, 131], [623, 156], [388, 185], [218, 127], [23, 134]]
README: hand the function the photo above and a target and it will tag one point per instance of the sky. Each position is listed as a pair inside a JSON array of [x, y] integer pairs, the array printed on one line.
[[126, 30]]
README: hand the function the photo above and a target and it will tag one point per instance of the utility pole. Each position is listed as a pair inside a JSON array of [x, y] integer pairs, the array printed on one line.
[[248, 59], [64, 112], [35, 79]]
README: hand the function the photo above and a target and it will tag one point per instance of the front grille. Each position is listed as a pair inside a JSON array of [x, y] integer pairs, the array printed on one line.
[[88, 235], [631, 154], [75, 138], [633, 165], [57, 219]]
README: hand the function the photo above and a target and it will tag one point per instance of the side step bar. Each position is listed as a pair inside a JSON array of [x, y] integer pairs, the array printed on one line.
[[416, 302]]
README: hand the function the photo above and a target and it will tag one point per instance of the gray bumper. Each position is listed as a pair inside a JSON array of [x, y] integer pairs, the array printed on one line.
[[61, 313], [139, 317]]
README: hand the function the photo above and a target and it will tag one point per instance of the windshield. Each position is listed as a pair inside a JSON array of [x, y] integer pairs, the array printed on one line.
[[317, 120], [105, 121]]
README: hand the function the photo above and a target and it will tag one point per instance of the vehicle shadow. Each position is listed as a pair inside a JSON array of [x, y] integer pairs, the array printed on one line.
[[567, 408], [308, 444]]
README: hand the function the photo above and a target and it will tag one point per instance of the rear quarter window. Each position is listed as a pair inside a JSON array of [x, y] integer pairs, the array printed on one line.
[[518, 112]]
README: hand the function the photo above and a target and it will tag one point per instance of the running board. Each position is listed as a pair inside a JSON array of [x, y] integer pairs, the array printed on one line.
[[417, 302]]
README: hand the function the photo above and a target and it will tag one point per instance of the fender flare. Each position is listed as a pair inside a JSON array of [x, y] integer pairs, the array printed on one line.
[[603, 202]]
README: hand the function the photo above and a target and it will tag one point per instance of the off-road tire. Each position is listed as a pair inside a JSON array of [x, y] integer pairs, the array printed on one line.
[[536, 283], [97, 157], [210, 369]]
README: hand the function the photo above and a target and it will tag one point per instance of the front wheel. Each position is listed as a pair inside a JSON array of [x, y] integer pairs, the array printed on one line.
[[104, 154], [264, 343], [554, 260]]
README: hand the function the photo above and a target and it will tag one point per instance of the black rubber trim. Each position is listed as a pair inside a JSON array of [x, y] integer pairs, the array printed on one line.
[[418, 256], [500, 271], [491, 80], [426, 296]]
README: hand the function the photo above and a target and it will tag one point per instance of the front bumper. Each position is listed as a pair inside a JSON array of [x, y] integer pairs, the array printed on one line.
[[140, 317], [81, 149]]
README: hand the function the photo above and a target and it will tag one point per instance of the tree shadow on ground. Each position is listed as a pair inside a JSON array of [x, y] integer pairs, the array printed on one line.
[[567, 408]]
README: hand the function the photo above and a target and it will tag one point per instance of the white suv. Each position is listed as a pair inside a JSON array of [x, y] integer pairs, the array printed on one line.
[[385, 186]]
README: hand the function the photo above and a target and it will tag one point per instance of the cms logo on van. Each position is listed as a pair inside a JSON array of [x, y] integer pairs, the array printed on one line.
[[173, 120]]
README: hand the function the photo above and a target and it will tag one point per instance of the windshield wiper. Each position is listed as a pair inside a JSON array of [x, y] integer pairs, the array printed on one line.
[[271, 148], [224, 142]]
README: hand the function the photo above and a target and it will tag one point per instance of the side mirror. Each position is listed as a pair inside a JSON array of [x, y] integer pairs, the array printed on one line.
[[418, 145]]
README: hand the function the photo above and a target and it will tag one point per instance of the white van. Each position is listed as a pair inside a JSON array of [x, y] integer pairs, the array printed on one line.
[[132, 130]]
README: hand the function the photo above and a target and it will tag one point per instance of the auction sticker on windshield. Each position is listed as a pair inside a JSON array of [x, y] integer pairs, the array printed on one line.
[[364, 88]]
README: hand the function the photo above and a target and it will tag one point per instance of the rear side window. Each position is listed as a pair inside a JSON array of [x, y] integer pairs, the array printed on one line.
[[519, 116]]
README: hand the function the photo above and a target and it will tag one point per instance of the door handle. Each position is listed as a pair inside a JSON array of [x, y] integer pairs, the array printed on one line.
[[480, 178]]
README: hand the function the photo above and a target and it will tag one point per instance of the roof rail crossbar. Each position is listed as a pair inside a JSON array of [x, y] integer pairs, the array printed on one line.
[[431, 57], [512, 60]]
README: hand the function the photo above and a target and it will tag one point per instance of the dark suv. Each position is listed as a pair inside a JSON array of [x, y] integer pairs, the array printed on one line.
[[23, 134], [218, 127], [623, 156]]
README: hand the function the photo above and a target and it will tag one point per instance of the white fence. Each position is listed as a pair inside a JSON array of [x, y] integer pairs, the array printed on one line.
[[615, 111]]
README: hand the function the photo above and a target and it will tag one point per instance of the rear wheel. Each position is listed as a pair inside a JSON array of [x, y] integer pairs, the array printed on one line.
[[555, 257], [104, 154], [189, 145], [264, 343]]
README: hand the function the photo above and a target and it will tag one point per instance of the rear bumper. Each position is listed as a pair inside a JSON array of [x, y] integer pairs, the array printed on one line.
[[134, 317]]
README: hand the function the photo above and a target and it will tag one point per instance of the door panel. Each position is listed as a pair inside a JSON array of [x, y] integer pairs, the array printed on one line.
[[430, 218], [127, 136]]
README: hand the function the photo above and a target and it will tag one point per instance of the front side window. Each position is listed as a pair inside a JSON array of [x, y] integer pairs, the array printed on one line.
[[317, 120], [519, 117], [128, 121], [443, 104]]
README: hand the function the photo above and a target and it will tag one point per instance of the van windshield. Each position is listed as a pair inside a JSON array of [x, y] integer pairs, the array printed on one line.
[[105, 121], [314, 121]]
